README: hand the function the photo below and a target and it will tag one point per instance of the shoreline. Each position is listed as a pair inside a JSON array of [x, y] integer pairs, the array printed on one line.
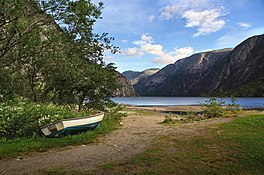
[[167, 109], [179, 108], [245, 103]]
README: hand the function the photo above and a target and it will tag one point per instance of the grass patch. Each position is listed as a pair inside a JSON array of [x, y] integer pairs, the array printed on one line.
[[231, 148], [141, 111], [15, 147], [108, 166], [56, 171]]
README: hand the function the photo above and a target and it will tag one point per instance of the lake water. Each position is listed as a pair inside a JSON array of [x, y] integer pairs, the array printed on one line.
[[172, 101]]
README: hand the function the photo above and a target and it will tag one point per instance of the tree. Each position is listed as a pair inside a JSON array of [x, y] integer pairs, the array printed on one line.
[[44, 61]]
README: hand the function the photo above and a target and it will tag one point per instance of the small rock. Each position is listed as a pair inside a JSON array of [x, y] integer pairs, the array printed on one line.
[[121, 124], [19, 158], [115, 145]]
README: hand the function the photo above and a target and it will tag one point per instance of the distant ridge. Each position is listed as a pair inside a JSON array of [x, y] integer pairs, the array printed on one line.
[[238, 71], [135, 76]]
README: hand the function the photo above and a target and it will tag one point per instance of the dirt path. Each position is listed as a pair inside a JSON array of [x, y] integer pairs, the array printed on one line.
[[137, 133]]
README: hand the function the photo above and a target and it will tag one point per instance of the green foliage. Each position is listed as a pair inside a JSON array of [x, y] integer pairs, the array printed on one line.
[[218, 108], [213, 108], [168, 120], [189, 117], [233, 107], [45, 62], [17, 146], [21, 119], [56, 171]]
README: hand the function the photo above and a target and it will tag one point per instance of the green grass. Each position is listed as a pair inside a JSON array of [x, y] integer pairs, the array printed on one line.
[[231, 148], [11, 148], [56, 171], [141, 111]]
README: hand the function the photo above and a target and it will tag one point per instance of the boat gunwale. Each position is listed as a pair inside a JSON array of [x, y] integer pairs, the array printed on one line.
[[47, 125]]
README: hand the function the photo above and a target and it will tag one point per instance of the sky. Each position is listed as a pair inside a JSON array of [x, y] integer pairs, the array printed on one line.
[[155, 33]]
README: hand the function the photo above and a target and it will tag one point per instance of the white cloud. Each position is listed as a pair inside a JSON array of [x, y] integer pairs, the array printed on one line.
[[146, 46], [139, 42], [184, 52], [207, 21], [169, 11], [164, 59], [154, 49], [244, 25], [151, 18], [178, 8], [201, 14], [145, 39], [133, 52], [171, 57]]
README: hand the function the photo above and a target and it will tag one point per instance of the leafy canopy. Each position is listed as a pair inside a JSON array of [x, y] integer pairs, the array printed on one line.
[[49, 53]]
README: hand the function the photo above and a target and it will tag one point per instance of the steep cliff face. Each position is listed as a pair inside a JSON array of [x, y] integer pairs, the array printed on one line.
[[125, 88], [134, 77], [184, 77], [225, 70], [243, 72]]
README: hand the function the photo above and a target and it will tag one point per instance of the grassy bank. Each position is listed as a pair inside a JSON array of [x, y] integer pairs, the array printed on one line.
[[15, 147], [230, 148]]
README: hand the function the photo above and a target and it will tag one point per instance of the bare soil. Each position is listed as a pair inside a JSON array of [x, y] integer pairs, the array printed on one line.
[[137, 134]]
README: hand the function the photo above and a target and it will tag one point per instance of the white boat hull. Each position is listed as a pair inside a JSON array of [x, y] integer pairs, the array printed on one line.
[[72, 125]]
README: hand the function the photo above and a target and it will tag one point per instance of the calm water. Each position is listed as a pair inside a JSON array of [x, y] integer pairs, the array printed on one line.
[[170, 101]]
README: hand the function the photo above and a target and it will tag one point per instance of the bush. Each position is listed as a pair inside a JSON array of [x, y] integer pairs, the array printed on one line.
[[169, 120], [20, 119], [213, 108], [14, 147]]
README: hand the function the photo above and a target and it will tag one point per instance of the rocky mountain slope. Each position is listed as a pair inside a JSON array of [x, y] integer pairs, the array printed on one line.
[[134, 76], [237, 71], [125, 88], [243, 71]]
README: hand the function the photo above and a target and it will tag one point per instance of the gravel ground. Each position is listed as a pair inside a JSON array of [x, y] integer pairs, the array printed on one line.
[[137, 132]]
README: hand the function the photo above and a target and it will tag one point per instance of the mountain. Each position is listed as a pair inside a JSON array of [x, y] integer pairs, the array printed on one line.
[[238, 71], [243, 71], [125, 89], [134, 76]]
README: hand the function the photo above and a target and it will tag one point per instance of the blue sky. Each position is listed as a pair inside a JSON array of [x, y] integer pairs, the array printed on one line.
[[154, 33]]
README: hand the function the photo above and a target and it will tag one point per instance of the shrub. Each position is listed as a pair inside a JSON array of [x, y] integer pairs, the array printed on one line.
[[233, 106], [20, 119], [169, 120], [213, 108]]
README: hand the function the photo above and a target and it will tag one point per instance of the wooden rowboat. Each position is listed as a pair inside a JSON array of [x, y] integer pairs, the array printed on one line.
[[73, 125]]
